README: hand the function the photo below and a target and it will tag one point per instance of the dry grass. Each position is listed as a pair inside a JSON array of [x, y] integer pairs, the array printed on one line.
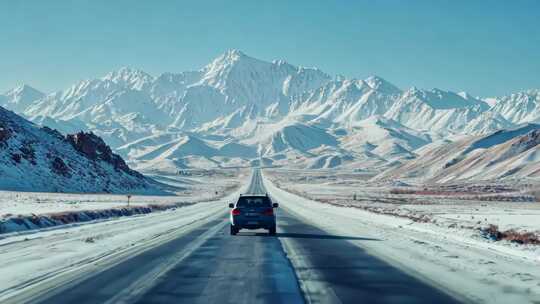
[[493, 233]]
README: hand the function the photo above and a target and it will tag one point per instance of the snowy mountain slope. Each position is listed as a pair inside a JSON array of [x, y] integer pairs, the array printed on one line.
[[487, 122], [198, 105], [63, 126], [347, 101], [500, 137], [41, 159], [328, 161], [131, 109], [116, 113], [20, 98], [298, 137], [281, 140], [147, 145], [377, 130], [79, 97], [511, 153], [186, 149], [520, 107], [431, 160], [515, 158], [435, 110], [288, 135], [130, 78], [235, 80], [380, 85], [181, 146], [235, 149], [240, 122], [248, 80], [173, 84], [392, 150]]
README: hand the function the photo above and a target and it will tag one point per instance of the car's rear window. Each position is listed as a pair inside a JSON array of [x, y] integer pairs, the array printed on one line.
[[253, 202]]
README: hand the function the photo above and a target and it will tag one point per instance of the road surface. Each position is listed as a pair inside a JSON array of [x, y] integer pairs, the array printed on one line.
[[207, 265]]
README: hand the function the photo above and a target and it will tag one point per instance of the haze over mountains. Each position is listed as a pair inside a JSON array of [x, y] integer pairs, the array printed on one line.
[[239, 110]]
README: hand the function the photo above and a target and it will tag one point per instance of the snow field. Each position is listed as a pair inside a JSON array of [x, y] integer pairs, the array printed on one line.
[[197, 187]]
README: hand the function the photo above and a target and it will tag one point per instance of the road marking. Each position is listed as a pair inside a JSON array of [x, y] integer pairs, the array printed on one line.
[[312, 284], [145, 283]]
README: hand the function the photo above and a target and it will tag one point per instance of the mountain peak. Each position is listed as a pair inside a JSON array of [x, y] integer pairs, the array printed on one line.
[[235, 53], [445, 100], [130, 77], [413, 92], [464, 95], [24, 89], [379, 84], [21, 97], [227, 60], [126, 72], [230, 56]]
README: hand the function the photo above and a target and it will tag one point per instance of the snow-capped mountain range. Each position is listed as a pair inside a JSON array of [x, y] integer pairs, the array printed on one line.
[[238, 109]]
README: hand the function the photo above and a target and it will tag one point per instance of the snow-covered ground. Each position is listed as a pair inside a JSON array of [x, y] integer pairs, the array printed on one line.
[[470, 211], [38, 258], [455, 259], [21, 212], [199, 186]]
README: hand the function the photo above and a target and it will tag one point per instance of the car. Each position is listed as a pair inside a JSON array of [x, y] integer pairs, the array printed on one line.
[[252, 211]]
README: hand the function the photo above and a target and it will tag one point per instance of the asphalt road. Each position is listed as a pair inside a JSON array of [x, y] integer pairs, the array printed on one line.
[[210, 266]]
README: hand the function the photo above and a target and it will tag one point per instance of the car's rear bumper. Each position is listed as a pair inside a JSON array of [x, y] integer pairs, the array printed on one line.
[[253, 223]]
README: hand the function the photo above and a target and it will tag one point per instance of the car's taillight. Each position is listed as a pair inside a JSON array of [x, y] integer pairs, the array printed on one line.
[[268, 211], [235, 211]]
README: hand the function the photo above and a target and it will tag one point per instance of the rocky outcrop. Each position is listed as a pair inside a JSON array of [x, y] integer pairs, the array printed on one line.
[[94, 148], [59, 167], [4, 135], [531, 139], [42, 159]]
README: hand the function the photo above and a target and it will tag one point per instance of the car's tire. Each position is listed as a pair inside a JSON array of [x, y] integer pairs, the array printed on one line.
[[234, 231], [272, 230]]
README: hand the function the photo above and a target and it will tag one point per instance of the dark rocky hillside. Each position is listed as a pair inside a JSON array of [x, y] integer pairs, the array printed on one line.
[[36, 158]]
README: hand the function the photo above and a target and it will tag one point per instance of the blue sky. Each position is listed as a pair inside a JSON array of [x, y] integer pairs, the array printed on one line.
[[484, 47]]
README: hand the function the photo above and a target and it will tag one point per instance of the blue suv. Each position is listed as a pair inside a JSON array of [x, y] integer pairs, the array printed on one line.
[[253, 211]]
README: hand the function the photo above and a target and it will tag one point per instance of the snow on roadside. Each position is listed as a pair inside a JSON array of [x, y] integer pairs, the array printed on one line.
[[25, 223], [480, 271], [443, 208], [14, 203], [196, 188], [34, 260], [25, 211]]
